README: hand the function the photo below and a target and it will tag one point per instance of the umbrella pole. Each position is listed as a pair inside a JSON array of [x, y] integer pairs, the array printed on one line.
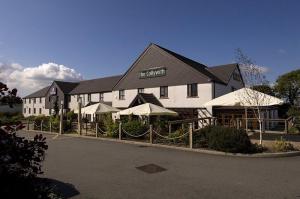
[[246, 119]]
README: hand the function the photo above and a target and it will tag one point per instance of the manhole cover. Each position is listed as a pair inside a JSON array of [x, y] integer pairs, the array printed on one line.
[[151, 168]]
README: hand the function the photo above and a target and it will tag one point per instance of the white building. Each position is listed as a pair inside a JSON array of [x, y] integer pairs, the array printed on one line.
[[158, 76]]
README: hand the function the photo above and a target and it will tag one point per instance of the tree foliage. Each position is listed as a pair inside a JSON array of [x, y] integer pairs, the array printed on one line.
[[9, 96], [288, 86], [264, 88]]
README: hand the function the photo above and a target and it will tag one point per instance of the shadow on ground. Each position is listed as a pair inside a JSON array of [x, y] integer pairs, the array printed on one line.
[[65, 190]]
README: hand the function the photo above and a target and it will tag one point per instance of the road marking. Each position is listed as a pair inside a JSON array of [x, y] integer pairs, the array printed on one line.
[[55, 137]]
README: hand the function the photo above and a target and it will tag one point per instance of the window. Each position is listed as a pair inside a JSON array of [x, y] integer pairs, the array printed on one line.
[[121, 94], [140, 90], [69, 98], [78, 97], [40, 100], [29, 101], [192, 90], [89, 97], [236, 76], [24, 111], [24, 100], [101, 96], [49, 99], [29, 110], [34, 100], [40, 111], [163, 92], [33, 110]]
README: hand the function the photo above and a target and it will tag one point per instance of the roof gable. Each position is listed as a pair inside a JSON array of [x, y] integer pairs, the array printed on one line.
[[179, 70], [225, 72], [142, 98]]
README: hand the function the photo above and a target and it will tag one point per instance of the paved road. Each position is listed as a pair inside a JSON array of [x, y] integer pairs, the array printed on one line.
[[104, 169]]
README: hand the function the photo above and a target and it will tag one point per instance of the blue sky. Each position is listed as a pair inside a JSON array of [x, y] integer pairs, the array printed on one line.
[[100, 38]]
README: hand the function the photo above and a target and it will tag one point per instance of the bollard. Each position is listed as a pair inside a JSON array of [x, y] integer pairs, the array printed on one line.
[[96, 129], [27, 125], [191, 135], [50, 126], [42, 125], [61, 118], [170, 128], [120, 131], [151, 134]]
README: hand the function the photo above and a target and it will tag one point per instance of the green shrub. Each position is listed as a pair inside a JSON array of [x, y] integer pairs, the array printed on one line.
[[10, 118], [224, 139], [281, 145], [71, 116], [294, 130], [176, 134], [135, 127]]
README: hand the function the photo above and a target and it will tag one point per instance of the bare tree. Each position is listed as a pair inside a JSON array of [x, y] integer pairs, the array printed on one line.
[[253, 76]]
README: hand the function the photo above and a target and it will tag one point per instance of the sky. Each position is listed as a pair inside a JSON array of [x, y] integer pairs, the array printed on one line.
[[82, 39]]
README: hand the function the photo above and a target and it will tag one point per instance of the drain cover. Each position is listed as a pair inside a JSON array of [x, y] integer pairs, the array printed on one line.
[[151, 168]]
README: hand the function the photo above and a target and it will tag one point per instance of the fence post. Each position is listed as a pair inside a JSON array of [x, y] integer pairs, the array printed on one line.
[[96, 129], [120, 131], [151, 134], [191, 135], [27, 125], [42, 125], [170, 128], [285, 126], [50, 126], [237, 123], [61, 118]]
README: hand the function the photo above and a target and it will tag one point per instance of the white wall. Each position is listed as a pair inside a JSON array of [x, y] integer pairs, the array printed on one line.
[[36, 105], [177, 96], [95, 97]]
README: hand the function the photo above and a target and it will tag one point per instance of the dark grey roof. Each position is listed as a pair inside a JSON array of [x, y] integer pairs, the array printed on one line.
[[196, 65], [180, 70], [96, 85], [142, 98], [223, 72], [66, 87], [40, 93]]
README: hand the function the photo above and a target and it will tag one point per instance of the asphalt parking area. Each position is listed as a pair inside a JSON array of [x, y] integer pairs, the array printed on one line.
[[104, 169]]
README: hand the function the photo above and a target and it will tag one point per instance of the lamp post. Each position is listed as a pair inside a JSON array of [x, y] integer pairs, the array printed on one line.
[[61, 117], [79, 116]]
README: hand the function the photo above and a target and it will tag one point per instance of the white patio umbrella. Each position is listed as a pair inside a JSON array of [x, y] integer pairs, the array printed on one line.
[[147, 109], [97, 108], [238, 98]]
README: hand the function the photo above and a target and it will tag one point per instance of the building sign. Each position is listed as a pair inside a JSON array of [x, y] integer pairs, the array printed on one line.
[[153, 72], [53, 91]]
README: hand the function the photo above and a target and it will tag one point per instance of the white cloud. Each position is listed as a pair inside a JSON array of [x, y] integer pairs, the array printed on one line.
[[30, 79], [281, 51]]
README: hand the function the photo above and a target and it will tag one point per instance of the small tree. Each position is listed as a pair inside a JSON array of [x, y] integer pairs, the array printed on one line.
[[288, 86], [56, 107], [253, 77]]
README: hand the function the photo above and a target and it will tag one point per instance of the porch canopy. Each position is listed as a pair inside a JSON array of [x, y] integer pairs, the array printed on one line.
[[98, 108], [147, 109], [245, 97]]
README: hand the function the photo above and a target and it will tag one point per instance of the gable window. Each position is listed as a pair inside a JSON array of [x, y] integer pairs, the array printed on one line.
[[121, 94], [89, 97], [236, 76], [140, 90], [163, 92], [101, 96], [192, 90], [40, 111]]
